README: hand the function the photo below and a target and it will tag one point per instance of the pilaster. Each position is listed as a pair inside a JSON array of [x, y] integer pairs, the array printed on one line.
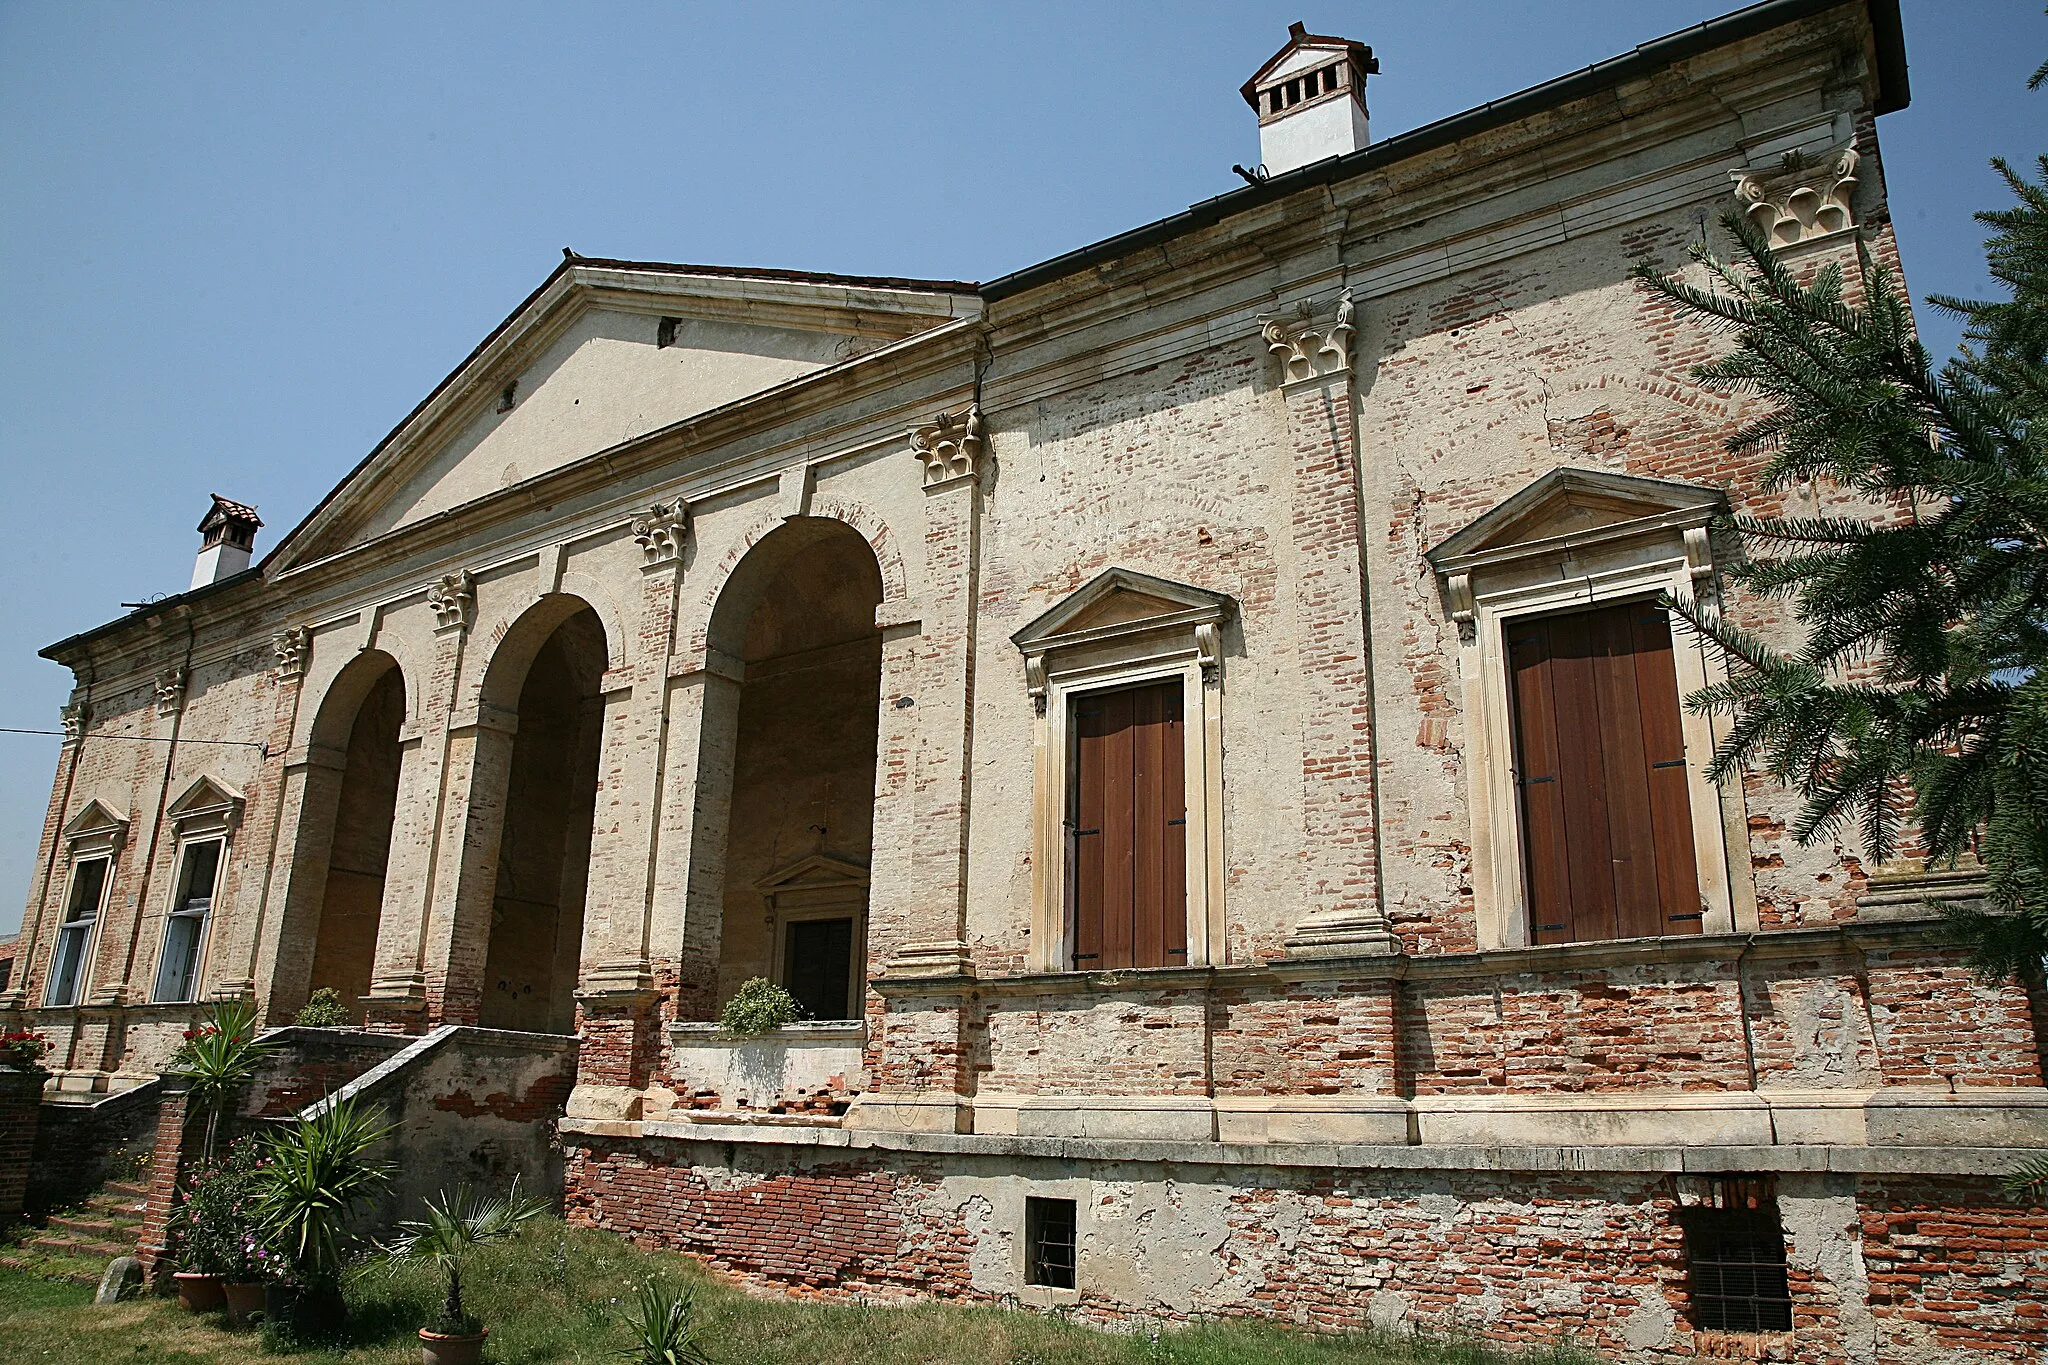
[[1340, 860], [232, 966]]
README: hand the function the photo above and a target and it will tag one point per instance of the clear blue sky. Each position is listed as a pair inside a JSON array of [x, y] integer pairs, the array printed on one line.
[[243, 240]]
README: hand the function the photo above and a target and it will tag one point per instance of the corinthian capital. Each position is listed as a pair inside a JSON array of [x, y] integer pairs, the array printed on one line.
[[951, 446], [1312, 340], [661, 531], [453, 600], [1802, 198]]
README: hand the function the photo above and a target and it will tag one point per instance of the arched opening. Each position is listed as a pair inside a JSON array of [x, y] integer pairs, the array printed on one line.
[[550, 797], [362, 717], [799, 615]]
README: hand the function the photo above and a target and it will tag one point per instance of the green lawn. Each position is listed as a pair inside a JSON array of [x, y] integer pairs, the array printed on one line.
[[556, 1294]]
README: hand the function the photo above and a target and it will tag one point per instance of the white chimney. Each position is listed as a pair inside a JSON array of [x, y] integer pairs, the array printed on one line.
[[1310, 99], [229, 536]]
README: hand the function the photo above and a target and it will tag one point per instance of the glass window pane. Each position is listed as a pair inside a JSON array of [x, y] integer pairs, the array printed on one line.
[[88, 880], [202, 865], [181, 957], [65, 962]]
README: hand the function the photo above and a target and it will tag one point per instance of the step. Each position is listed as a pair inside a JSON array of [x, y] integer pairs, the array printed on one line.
[[103, 1229], [82, 1248], [123, 1189], [100, 1206], [43, 1269]]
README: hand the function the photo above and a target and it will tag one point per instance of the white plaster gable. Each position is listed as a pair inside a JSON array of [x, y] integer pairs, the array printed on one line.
[[606, 352]]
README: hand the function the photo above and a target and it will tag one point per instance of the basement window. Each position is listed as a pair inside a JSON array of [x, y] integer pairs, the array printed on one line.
[[1049, 1242], [1735, 1260]]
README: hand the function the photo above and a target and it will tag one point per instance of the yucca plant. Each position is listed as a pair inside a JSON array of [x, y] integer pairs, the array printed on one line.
[[664, 1329], [319, 1174], [218, 1058], [455, 1226]]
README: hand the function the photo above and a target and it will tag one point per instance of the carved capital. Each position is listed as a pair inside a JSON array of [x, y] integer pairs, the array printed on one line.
[[951, 447], [1209, 650], [1802, 199], [72, 715], [1312, 341], [662, 531], [453, 600], [170, 691], [292, 647], [1464, 612], [1034, 681]]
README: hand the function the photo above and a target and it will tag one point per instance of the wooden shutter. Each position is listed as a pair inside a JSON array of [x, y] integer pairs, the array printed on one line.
[[1127, 837], [1600, 775]]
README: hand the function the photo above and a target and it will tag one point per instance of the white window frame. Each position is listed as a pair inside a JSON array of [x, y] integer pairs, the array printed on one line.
[[176, 911], [208, 812], [1631, 560], [1184, 643], [91, 937]]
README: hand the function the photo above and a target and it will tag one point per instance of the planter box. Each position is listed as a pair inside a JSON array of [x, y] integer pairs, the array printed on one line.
[[762, 1069]]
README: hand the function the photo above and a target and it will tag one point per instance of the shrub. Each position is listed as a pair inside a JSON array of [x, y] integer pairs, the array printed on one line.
[[218, 1058], [662, 1327], [758, 1006], [323, 1010], [318, 1172], [214, 1222]]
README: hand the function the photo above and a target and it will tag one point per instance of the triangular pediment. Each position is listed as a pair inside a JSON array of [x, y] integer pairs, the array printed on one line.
[[204, 797], [96, 819], [1567, 503], [1303, 50], [603, 353], [1119, 600], [817, 872]]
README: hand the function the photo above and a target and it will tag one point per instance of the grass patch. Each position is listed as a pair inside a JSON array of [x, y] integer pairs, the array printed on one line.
[[557, 1293]]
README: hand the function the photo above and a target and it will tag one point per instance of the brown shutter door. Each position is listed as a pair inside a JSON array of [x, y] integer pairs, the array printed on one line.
[[1129, 829], [1600, 768], [1547, 886], [1678, 876]]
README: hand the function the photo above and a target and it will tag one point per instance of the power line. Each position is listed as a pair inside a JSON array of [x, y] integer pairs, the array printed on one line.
[[263, 749]]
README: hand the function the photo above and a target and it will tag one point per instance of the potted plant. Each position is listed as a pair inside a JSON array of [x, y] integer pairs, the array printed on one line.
[[218, 1058], [23, 1051], [454, 1227], [209, 1225], [316, 1173]]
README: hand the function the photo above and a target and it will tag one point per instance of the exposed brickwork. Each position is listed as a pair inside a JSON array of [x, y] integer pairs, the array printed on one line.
[[1937, 1024], [1954, 1267], [21, 1096]]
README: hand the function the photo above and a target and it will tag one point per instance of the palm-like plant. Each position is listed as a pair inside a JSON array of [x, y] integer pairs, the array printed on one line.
[[219, 1058], [663, 1328], [455, 1226], [318, 1175]]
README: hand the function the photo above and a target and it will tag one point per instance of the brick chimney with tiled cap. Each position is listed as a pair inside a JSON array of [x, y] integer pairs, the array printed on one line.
[[1310, 98], [229, 529]]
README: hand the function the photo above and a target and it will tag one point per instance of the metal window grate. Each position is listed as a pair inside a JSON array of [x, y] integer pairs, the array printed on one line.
[[1735, 1261], [1049, 1242]]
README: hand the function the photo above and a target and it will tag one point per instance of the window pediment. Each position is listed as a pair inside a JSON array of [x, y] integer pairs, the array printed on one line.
[[206, 807], [95, 828], [819, 879], [1116, 604]]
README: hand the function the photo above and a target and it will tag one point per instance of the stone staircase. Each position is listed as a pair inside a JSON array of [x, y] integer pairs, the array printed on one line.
[[78, 1243]]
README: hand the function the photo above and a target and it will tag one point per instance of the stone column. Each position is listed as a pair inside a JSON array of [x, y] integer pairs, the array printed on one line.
[[618, 1002], [21, 1100], [1340, 856], [918, 926], [417, 891], [696, 815], [309, 795]]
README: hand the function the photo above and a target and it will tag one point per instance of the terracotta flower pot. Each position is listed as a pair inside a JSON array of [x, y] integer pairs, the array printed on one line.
[[245, 1301], [436, 1349], [199, 1293]]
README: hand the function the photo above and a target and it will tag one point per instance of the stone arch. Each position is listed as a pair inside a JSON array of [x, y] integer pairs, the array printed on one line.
[[786, 770], [334, 909], [873, 528], [525, 860]]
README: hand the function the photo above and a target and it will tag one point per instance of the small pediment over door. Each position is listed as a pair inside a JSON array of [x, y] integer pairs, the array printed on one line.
[[1118, 601], [819, 879], [1569, 504]]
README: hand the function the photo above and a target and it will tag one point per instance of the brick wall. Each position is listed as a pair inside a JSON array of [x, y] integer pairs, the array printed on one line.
[[21, 1096]]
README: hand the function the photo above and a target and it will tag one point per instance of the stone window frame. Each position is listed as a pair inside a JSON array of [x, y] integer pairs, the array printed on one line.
[[1010, 1212], [208, 812], [95, 834], [1633, 558], [1062, 664]]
